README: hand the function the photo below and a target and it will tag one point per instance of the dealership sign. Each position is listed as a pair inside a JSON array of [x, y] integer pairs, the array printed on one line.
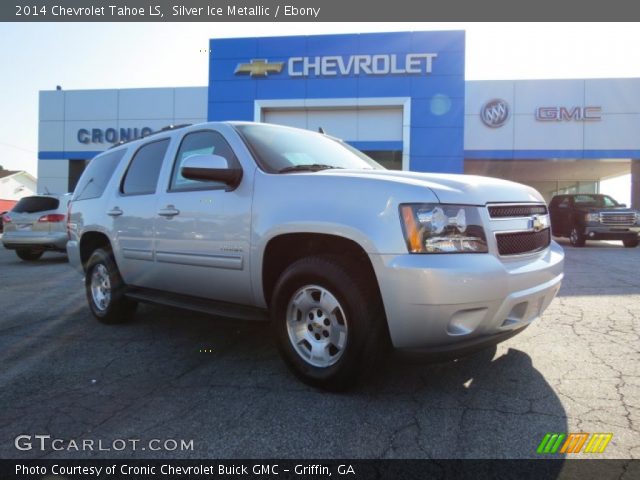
[[568, 114], [335, 65], [111, 135]]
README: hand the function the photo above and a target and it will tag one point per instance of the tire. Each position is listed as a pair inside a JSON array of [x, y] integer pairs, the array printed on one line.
[[105, 290], [323, 303], [29, 254], [576, 237], [630, 242]]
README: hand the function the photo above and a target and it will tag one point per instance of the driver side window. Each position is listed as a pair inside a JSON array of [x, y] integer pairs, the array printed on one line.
[[198, 143]]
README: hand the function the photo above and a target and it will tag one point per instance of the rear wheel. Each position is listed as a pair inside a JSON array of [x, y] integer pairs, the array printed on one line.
[[576, 237], [327, 321], [630, 242], [29, 254], [105, 289]]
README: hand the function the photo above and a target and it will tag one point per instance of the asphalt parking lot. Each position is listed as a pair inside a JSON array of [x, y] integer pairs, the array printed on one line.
[[64, 374]]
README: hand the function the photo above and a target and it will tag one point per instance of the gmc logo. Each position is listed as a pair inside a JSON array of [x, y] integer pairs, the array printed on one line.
[[567, 114]]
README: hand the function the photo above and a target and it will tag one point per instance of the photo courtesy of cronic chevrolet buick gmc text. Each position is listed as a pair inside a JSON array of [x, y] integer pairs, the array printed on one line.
[[589, 216], [258, 221]]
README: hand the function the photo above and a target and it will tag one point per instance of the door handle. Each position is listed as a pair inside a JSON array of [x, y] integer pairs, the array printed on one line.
[[115, 212], [168, 211]]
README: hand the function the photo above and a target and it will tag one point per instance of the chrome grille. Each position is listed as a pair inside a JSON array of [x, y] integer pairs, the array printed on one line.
[[618, 219], [506, 211], [518, 243]]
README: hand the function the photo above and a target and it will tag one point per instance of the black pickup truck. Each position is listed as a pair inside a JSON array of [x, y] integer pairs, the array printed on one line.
[[588, 216]]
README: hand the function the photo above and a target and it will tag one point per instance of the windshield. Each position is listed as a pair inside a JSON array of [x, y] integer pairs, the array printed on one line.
[[285, 149], [595, 200]]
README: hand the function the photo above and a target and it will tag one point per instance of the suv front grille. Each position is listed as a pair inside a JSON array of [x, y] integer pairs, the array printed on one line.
[[506, 211], [618, 219], [523, 242]]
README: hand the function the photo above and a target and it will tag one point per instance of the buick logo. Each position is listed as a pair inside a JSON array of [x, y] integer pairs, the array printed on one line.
[[495, 113]]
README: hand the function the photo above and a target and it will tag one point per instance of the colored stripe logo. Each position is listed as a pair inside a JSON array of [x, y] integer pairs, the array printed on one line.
[[573, 442]]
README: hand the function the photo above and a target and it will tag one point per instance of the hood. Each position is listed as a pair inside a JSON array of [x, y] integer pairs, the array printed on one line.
[[453, 188]]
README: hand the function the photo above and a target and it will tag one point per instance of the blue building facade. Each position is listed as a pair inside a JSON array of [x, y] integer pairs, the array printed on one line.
[[408, 88]]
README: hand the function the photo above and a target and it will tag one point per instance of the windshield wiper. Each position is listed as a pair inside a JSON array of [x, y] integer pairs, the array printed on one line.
[[310, 167]]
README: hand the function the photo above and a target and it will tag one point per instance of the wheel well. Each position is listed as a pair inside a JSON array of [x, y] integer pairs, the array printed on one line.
[[283, 250], [90, 242]]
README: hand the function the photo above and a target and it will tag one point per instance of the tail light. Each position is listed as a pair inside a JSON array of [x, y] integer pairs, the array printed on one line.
[[53, 218], [6, 218]]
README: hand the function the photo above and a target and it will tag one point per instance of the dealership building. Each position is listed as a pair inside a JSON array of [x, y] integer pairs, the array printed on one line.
[[400, 97]]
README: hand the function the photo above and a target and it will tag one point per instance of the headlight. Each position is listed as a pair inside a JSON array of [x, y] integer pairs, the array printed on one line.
[[592, 217], [436, 228]]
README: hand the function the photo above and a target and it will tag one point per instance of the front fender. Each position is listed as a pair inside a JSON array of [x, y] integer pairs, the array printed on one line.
[[321, 228]]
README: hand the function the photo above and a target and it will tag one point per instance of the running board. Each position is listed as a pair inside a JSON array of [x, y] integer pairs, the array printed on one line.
[[196, 304]]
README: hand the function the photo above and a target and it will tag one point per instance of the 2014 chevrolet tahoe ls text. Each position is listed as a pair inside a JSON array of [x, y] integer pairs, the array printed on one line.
[[259, 221]]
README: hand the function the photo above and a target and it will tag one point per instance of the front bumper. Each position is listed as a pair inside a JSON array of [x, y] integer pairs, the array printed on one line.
[[29, 239], [445, 302], [601, 232]]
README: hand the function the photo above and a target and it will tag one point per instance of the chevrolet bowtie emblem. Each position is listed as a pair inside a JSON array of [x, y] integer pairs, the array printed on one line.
[[537, 223], [259, 68]]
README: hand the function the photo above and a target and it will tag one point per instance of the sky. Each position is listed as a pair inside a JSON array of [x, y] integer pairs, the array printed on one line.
[[39, 56]]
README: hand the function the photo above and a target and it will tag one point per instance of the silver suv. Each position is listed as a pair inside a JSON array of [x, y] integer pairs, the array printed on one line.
[[36, 224], [259, 221]]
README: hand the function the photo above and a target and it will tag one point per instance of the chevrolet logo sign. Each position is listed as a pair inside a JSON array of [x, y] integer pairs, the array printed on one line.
[[259, 68]]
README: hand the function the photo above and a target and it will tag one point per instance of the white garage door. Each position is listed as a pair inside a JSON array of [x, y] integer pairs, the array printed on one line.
[[350, 124]]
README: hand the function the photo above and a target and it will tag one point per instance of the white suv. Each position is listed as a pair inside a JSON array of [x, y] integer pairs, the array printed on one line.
[[36, 224]]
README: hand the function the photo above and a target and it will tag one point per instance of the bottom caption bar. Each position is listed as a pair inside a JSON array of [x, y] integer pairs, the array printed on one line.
[[317, 469]]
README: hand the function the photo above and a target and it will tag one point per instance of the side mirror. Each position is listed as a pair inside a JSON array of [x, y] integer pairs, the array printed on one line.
[[623, 205], [211, 167]]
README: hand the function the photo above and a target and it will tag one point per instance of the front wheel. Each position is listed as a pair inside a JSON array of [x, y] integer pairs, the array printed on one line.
[[630, 242], [105, 290], [327, 321], [576, 237], [29, 254]]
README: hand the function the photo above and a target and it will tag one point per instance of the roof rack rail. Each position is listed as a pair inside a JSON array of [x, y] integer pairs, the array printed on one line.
[[163, 129]]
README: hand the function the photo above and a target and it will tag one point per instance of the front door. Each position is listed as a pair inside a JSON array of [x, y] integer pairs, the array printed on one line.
[[561, 216], [203, 228]]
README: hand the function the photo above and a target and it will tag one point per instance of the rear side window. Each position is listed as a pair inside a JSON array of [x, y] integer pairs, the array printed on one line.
[[143, 172], [97, 175], [36, 204]]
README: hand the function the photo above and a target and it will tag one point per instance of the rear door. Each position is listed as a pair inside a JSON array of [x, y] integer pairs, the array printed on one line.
[[203, 228], [133, 212]]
